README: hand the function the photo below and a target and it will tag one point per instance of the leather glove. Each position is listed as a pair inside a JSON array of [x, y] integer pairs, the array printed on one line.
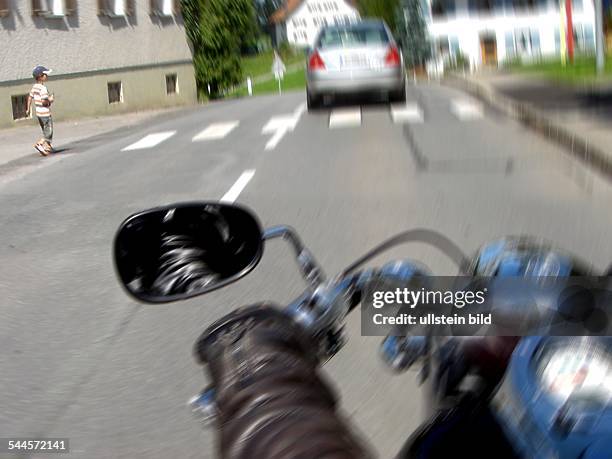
[[271, 401]]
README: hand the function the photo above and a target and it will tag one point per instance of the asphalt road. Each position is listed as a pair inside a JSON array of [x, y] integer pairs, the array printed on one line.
[[81, 360]]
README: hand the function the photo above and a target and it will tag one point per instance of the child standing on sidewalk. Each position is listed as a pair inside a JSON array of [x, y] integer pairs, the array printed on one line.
[[42, 104]]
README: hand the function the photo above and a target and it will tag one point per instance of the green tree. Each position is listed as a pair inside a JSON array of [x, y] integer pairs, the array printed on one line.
[[412, 33], [190, 10], [217, 59], [383, 9], [217, 31], [241, 19]]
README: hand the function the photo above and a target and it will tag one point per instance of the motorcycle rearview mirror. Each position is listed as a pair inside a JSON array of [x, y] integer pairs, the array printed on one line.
[[183, 250]]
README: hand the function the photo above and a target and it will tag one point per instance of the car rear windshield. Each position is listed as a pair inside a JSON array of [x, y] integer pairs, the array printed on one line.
[[353, 35]]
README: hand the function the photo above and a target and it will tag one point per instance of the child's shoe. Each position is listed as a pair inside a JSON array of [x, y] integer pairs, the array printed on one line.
[[40, 148]]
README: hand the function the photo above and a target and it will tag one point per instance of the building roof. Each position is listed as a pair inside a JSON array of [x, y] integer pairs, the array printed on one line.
[[290, 6]]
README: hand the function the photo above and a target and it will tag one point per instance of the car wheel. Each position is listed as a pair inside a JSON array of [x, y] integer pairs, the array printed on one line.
[[398, 96], [312, 102]]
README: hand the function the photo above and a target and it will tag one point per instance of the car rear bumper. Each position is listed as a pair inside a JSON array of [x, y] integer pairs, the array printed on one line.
[[320, 82]]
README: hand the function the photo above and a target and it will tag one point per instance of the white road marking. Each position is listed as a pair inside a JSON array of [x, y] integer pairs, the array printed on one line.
[[345, 118], [278, 135], [280, 125], [300, 109], [150, 141], [216, 131], [466, 110], [238, 186], [409, 113]]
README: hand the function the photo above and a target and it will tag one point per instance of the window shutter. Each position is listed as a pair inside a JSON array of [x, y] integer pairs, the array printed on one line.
[[38, 7], [589, 37], [102, 7], [130, 9], [510, 49], [4, 8], [177, 7], [535, 41], [71, 7]]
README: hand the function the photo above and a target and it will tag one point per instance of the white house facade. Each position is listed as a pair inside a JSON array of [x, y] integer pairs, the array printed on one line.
[[494, 31], [298, 21]]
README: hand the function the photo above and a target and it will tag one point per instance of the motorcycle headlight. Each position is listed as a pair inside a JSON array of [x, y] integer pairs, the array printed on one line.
[[577, 371]]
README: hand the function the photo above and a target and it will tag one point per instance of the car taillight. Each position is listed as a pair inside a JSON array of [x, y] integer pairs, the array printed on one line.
[[392, 58], [315, 62]]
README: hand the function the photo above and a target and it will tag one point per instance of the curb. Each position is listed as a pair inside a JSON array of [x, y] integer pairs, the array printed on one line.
[[532, 118]]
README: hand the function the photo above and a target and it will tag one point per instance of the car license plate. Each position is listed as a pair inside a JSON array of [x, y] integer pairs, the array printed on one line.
[[354, 61]]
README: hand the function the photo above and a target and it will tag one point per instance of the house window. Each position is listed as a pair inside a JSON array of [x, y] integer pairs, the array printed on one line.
[[116, 8], [115, 92], [442, 46], [4, 8], [524, 4], [19, 104], [510, 49], [442, 8], [527, 42], [165, 7], [455, 48], [172, 83], [589, 37], [51, 8], [480, 6], [584, 38]]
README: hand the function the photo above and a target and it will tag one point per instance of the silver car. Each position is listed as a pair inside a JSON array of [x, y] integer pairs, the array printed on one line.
[[355, 58]]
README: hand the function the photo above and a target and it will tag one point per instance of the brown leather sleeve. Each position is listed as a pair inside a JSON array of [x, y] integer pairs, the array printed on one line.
[[272, 401]]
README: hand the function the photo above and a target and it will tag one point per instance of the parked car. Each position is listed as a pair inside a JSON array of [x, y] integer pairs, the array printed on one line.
[[355, 58]]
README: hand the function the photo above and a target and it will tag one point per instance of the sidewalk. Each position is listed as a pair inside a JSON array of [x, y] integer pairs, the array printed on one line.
[[580, 119], [17, 142]]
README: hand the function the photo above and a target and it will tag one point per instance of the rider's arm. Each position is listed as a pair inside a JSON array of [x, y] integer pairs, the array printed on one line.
[[271, 400]]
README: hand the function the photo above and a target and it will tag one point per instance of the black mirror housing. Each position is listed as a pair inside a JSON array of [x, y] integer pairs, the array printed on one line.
[[183, 250]]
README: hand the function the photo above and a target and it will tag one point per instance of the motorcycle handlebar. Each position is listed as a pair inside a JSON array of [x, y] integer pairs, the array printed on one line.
[[535, 310]]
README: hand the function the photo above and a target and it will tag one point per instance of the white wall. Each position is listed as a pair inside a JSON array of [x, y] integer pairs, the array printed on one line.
[[87, 42], [468, 27], [304, 24]]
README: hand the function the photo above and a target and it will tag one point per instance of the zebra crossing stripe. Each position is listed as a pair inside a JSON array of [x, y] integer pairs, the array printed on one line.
[[150, 141], [216, 131]]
